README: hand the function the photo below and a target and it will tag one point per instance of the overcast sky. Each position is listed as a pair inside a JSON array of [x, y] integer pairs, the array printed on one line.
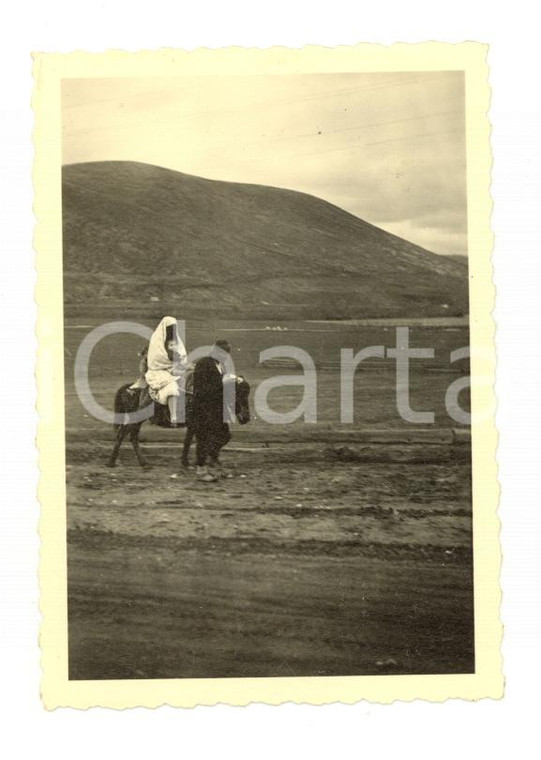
[[389, 148]]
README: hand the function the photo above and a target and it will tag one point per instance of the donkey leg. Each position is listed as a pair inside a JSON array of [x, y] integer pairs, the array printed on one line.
[[214, 455], [220, 437], [120, 435], [188, 438], [134, 438]]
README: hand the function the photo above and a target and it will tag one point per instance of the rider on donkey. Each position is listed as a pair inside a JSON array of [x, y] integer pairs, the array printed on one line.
[[217, 396], [167, 365]]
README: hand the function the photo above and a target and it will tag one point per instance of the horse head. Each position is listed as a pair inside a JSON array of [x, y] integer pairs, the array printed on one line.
[[242, 405]]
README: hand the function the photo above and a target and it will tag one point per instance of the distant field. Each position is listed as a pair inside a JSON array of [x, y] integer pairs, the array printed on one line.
[[115, 361]]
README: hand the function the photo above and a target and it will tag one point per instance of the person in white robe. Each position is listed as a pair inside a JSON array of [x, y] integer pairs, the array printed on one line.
[[167, 365]]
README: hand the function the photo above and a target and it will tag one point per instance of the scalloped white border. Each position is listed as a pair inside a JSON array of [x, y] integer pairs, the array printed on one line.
[[57, 690]]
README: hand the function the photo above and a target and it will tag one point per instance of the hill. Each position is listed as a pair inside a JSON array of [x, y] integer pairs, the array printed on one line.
[[134, 233], [462, 260]]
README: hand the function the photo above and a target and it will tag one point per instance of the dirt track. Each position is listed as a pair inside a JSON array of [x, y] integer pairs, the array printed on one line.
[[291, 567]]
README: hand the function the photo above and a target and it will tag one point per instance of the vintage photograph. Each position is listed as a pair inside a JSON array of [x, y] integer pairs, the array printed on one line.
[[266, 310]]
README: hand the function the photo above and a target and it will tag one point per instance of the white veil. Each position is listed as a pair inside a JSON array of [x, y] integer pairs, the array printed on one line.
[[158, 358]]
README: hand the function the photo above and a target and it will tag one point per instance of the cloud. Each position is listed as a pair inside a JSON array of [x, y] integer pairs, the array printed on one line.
[[436, 239], [388, 147]]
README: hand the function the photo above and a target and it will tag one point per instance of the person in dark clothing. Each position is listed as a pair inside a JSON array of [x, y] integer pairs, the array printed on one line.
[[211, 430]]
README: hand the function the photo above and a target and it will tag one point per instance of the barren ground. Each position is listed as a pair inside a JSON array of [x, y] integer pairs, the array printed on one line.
[[297, 565]]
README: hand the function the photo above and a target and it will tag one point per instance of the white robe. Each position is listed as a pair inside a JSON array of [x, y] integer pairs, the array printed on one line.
[[164, 376]]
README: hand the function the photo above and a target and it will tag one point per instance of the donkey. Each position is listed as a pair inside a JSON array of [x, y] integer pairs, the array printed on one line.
[[129, 400]]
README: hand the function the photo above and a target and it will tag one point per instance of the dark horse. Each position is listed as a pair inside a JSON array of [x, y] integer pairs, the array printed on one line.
[[130, 401]]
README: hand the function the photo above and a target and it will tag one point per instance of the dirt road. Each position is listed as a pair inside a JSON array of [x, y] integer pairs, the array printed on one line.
[[291, 567]]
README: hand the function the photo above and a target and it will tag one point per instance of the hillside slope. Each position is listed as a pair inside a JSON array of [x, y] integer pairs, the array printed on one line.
[[134, 232]]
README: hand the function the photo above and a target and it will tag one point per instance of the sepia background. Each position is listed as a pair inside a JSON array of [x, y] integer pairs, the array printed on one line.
[[320, 211]]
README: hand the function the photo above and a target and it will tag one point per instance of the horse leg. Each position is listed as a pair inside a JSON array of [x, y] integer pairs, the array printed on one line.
[[120, 435], [134, 438], [188, 438]]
